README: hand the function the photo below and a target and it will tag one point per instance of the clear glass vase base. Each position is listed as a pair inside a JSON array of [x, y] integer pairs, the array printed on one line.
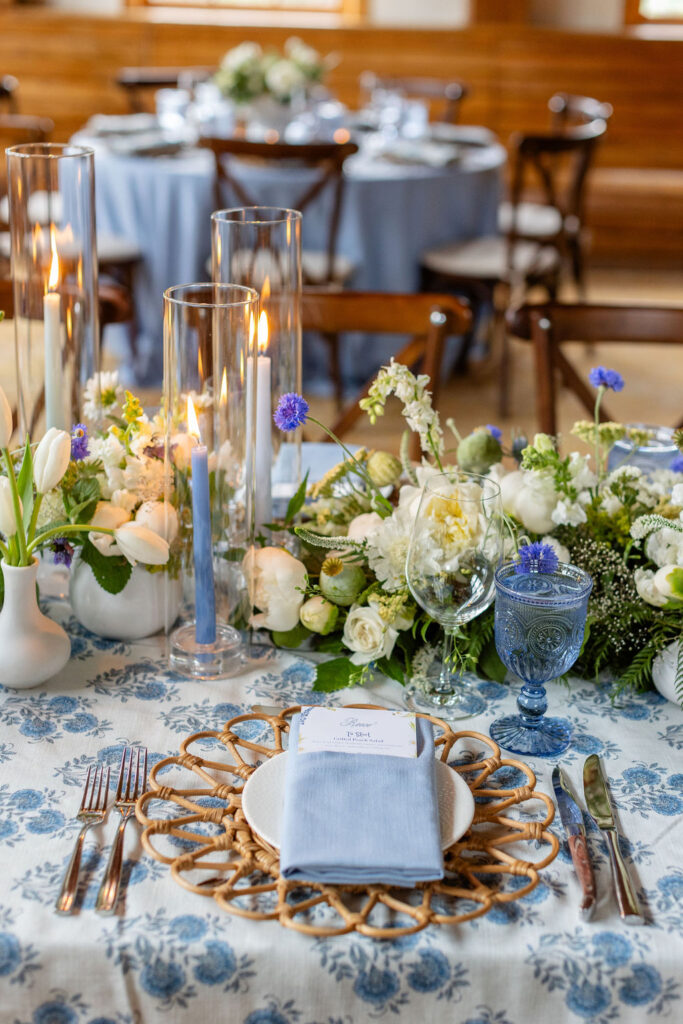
[[205, 661], [550, 738], [451, 707]]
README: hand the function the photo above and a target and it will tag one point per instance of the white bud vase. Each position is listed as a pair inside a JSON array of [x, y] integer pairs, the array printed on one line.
[[34, 648], [664, 672]]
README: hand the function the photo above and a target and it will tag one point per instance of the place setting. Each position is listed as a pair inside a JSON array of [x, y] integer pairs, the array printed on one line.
[[341, 545]]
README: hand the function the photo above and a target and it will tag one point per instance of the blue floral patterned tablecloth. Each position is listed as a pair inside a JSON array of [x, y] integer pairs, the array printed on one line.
[[171, 954]]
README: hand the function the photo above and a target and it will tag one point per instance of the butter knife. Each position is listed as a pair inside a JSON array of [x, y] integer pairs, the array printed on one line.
[[600, 807], [572, 819]]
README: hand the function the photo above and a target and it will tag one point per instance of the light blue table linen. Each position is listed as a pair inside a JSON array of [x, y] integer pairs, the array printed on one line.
[[361, 818]]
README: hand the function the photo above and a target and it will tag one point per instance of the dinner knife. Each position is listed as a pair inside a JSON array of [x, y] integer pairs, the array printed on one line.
[[600, 807], [572, 819]]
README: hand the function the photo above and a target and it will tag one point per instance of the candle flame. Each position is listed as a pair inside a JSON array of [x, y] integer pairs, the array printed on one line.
[[35, 240], [192, 421], [224, 387], [200, 365], [265, 290], [53, 277], [263, 333], [69, 323]]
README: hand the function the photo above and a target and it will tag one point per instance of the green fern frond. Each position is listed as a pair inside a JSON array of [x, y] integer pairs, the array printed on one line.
[[316, 540]]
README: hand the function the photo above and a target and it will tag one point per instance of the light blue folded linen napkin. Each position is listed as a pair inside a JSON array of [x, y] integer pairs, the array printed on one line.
[[355, 819]]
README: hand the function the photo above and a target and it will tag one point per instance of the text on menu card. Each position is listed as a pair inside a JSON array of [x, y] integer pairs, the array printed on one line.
[[357, 731]]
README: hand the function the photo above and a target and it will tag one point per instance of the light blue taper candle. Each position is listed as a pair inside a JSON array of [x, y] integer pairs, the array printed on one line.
[[204, 596]]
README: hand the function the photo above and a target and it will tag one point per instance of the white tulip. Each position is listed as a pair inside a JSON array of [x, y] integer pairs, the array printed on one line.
[[138, 544], [5, 420], [51, 459], [275, 580], [669, 582], [160, 517], [644, 580], [110, 517], [8, 523]]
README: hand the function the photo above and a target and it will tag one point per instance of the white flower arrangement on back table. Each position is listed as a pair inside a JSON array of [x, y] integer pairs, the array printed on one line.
[[247, 72], [347, 595]]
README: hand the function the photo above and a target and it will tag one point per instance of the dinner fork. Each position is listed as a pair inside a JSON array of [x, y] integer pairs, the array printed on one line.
[[132, 784], [91, 812]]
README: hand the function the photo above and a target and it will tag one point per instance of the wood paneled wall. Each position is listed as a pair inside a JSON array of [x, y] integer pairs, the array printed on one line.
[[66, 65]]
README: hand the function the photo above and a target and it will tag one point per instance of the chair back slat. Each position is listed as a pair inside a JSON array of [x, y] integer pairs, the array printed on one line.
[[325, 158], [428, 318], [551, 325]]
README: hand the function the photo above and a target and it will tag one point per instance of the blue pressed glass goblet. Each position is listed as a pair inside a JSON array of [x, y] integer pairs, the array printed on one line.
[[539, 622]]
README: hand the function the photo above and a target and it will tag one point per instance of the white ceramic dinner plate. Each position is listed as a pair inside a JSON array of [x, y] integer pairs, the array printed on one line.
[[264, 793]]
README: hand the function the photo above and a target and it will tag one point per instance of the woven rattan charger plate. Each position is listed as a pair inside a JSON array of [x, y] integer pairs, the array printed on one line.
[[485, 867]]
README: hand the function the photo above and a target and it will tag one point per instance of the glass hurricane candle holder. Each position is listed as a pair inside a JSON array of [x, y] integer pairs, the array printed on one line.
[[260, 247], [208, 340], [658, 452], [54, 268]]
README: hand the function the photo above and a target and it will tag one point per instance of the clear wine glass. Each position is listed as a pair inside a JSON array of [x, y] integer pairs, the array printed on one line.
[[540, 621], [455, 547]]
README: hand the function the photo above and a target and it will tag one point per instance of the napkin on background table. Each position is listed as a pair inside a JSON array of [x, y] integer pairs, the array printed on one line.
[[355, 819]]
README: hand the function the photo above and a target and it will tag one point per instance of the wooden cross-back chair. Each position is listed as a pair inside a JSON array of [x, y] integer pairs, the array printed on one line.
[[139, 84], [326, 158], [567, 108], [9, 86], [428, 318], [446, 95], [549, 326]]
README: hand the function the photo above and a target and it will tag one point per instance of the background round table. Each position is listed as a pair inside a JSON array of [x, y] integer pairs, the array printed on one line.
[[391, 213]]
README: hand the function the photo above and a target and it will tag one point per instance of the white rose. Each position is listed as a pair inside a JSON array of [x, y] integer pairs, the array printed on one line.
[[275, 581], [362, 525], [510, 486], [535, 502], [111, 517], [368, 636], [283, 78], [644, 580], [160, 517]]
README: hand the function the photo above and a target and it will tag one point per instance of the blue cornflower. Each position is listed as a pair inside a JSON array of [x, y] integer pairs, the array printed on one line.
[[63, 551], [677, 464], [495, 432], [79, 442], [291, 412], [601, 377], [537, 557]]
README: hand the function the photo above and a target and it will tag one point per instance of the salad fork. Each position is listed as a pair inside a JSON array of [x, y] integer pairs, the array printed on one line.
[[92, 811], [131, 785]]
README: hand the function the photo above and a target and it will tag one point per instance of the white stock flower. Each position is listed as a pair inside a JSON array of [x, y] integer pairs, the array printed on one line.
[[124, 499], [138, 544], [5, 420], [275, 581], [284, 78], [51, 459], [145, 476], [363, 525], [8, 523], [160, 517], [582, 475], [644, 580], [110, 517], [665, 547], [367, 635], [568, 513]]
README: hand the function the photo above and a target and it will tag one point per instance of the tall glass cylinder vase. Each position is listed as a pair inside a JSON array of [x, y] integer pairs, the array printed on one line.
[[209, 332], [260, 247], [54, 268]]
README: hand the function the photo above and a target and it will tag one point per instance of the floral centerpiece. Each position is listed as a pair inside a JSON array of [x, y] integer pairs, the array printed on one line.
[[347, 594], [247, 72]]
